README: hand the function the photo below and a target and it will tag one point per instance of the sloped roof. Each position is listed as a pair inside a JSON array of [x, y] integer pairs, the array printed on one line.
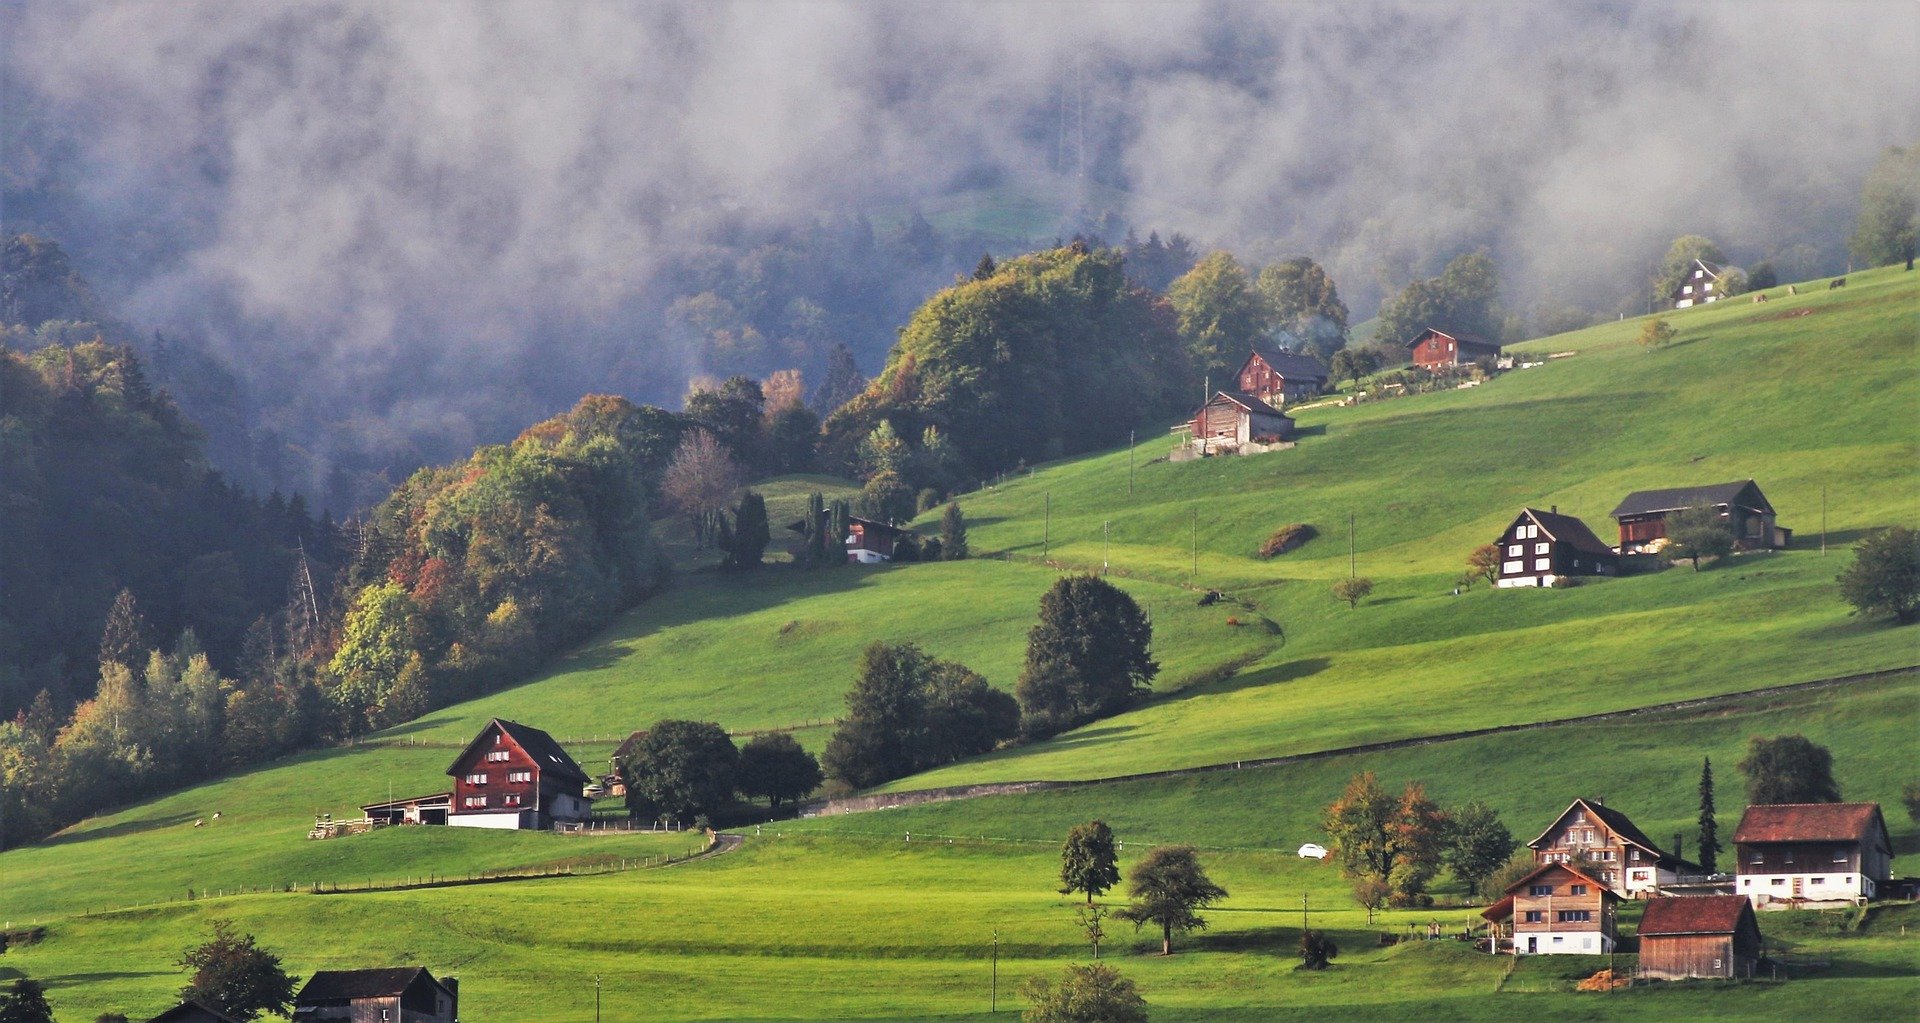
[[1651, 502], [1289, 364], [538, 745], [1568, 530], [395, 804], [193, 1012], [1250, 403], [1695, 914], [878, 526], [1514, 888], [1465, 339], [1615, 821], [1811, 822], [330, 985]]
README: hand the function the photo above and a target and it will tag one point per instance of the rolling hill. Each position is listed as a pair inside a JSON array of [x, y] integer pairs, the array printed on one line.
[[893, 914]]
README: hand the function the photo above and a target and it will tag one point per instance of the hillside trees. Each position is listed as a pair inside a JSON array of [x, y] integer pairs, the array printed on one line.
[[1089, 862], [1398, 841], [1884, 578], [1889, 219], [1055, 354], [953, 533], [1088, 656], [1168, 889], [701, 478], [1708, 842], [1221, 314], [1303, 302], [908, 712], [25, 1002], [1789, 769], [1463, 298], [745, 539], [681, 770], [775, 766], [234, 975], [1477, 843], [1094, 993]]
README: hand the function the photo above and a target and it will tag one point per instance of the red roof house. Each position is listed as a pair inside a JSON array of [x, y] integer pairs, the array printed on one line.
[[1789, 854], [1699, 936], [1434, 349], [515, 776]]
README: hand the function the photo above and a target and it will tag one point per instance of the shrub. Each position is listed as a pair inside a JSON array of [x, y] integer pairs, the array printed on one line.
[[1287, 538], [1352, 591]]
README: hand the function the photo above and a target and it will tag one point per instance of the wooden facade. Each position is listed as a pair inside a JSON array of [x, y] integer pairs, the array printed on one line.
[[1540, 547], [1628, 861], [870, 541], [1277, 377], [400, 995], [515, 776], [1234, 419], [193, 1012], [1795, 854], [1642, 515], [1699, 287], [1558, 910], [1435, 349], [428, 809], [1700, 936]]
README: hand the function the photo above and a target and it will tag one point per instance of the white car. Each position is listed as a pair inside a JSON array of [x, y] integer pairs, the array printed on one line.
[[1313, 851]]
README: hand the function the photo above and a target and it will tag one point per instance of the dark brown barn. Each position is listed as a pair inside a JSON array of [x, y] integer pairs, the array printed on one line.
[[193, 1012], [515, 776], [406, 994], [1233, 419], [1699, 936], [1700, 285], [1277, 376], [1793, 854], [870, 541], [1436, 349], [1539, 547], [1643, 515]]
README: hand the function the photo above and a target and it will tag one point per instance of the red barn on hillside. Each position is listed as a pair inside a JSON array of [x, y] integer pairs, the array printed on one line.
[[515, 776], [1435, 349], [1277, 376]]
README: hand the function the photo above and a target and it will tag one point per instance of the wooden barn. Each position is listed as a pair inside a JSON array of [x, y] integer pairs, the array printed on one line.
[[1277, 376], [1795, 854], [870, 541], [1540, 547], [429, 809], [1434, 349], [1234, 419], [1699, 286], [1630, 863], [515, 776], [1643, 515], [1557, 910], [1699, 936], [406, 994], [193, 1012]]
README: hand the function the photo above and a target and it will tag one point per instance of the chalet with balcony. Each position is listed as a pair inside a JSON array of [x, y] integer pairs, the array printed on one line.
[[1541, 547], [1436, 350], [1740, 505], [1699, 936], [1237, 421], [515, 776], [407, 994], [1558, 910], [1277, 376], [1627, 860], [1799, 854]]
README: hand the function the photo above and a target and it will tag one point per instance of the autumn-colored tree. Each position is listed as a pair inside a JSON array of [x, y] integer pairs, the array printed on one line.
[[1484, 563], [700, 480]]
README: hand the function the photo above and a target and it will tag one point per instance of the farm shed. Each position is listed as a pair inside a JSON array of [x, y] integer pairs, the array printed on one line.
[[1794, 854], [405, 994], [1231, 420], [1699, 936], [870, 541], [430, 809], [1643, 515], [193, 1012]]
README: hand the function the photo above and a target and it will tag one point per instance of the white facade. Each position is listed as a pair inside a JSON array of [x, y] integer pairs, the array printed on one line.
[[569, 808], [1785, 889], [1645, 877], [866, 557], [1546, 943], [510, 820]]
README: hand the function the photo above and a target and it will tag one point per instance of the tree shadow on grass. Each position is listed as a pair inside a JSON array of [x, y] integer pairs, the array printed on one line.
[[1252, 939], [1090, 737], [83, 979], [1279, 673], [123, 828]]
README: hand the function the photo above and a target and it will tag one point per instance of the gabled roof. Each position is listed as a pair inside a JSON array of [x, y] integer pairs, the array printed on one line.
[[1517, 886], [1615, 821], [1812, 822], [1465, 339], [331, 985], [1696, 914], [1567, 530], [193, 1012], [878, 526], [537, 744], [397, 804], [1290, 365], [1654, 502], [1248, 402]]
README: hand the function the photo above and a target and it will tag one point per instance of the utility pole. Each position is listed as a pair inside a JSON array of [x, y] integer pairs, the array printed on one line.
[[1193, 541], [1130, 443], [1823, 520], [1303, 914], [596, 998], [1352, 570], [993, 1000], [1046, 528], [1106, 542]]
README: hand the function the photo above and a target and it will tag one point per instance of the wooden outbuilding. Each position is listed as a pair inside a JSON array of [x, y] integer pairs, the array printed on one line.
[[1540, 547], [1278, 376], [1796, 854], [870, 541], [1740, 505], [1434, 349], [515, 776], [1699, 936], [428, 809], [1232, 420], [1558, 910], [1629, 862], [193, 1012], [406, 994]]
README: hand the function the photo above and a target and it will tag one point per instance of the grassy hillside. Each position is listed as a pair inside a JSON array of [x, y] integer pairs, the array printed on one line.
[[844, 917]]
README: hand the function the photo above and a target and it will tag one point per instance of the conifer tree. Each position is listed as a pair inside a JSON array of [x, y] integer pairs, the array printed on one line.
[[1709, 828], [953, 533]]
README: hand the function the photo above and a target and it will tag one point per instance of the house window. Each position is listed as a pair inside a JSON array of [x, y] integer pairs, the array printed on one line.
[[513, 799], [1542, 564], [1539, 890], [1779, 881], [1535, 916], [476, 779], [1746, 882], [1819, 880], [1688, 290], [1839, 856], [1578, 889], [1513, 567], [1575, 916], [476, 801], [1756, 859], [498, 756], [1539, 548], [1707, 286], [1513, 551], [520, 776], [1789, 858]]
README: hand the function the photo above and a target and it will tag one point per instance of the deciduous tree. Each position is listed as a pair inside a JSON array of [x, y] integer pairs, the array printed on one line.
[[25, 1002], [1884, 578], [1695, 533], [1088, 655], [1169, 889], [235, 975], [681, 770], [1656, 334], [1221, 314], [776, 766], [1353, 591], [1889, 219], [1095, 993], [1484, 563], [700, 480], [1303, 302], [1477, 844], [1789, 769], [1317, 949], [1088, 860]]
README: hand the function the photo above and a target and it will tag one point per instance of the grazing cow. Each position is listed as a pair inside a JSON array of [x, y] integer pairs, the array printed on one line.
[[1837, 282], [1759, 297], [1793, 289]]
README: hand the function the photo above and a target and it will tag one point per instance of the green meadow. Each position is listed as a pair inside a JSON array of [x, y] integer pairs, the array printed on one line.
[[894, 914]]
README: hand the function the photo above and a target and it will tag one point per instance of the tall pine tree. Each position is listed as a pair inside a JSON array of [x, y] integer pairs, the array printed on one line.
[[1709, 828]]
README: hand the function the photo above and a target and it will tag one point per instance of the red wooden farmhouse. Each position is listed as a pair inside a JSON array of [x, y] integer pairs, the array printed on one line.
[[1277, 376], [1434, 349], [515, 776]]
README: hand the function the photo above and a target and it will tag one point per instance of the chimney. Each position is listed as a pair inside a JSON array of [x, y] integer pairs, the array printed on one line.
[[1554, 508]]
